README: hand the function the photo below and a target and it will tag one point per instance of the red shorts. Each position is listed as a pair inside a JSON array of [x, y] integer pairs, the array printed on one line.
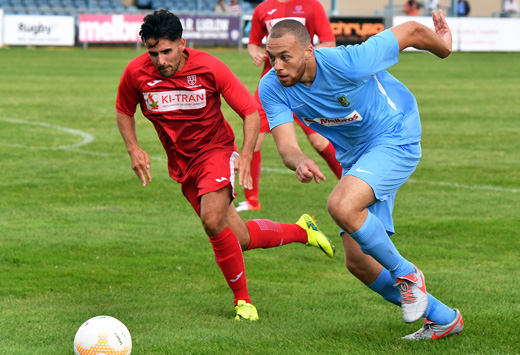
[[264, 123], [211, 173]]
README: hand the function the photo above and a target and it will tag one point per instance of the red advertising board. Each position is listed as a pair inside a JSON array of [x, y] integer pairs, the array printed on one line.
[[103, 28]]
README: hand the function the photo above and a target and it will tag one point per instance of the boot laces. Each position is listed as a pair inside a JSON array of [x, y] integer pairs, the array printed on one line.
[[405, 288]]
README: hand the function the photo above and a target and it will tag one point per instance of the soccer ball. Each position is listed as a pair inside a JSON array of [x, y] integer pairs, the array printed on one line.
[[102, 335]]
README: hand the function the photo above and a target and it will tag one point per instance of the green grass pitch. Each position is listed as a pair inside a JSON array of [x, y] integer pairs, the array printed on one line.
[[80, 236]]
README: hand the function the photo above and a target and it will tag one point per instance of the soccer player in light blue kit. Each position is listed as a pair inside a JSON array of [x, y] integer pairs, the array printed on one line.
[[372, 119]]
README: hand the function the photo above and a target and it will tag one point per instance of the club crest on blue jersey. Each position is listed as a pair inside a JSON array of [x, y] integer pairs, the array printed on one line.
[[343, 100]]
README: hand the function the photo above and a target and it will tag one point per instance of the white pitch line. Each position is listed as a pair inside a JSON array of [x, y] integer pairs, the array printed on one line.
[[463, 186], [88, 138]]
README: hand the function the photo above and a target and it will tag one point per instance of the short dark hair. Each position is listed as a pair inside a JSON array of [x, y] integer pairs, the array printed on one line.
[[161, 24], [296, 28]]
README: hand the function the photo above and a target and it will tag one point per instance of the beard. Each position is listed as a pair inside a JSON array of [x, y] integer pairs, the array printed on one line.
[[294, 79]]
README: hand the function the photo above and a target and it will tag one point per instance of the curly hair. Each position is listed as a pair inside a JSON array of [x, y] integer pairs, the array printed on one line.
[[161, 24]]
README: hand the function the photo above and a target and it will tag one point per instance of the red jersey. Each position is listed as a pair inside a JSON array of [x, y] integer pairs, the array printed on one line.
[[309, 12], [186, 108]]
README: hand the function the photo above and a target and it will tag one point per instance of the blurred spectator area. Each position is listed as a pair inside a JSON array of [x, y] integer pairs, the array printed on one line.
[[74, 7], [386, 8]]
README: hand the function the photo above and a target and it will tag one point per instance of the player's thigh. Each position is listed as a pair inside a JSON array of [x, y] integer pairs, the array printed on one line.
[[213, 173], [386, 168], [348, 201]]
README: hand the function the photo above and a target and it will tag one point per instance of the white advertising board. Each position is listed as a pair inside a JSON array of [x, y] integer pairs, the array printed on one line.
[[38, 30], [477, 34], [1, 27]]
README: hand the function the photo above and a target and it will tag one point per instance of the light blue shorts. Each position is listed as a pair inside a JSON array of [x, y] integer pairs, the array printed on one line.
[[385, 168]]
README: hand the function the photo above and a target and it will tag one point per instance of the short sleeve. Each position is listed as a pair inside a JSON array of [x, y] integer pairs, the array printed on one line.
[[276, 108], [127, 97], [378, 53], [233, 90]]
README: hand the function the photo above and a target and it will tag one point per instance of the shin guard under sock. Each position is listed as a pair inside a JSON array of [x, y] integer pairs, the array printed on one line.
[[228, 255], [384, 285], [374, 241], [268, 234]]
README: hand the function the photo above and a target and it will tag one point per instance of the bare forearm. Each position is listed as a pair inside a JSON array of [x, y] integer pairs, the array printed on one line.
[[126, 125], [287, 145], [253, 50], [413, 34], [421, 37], [140, 159], [291, 156], [251, 129], [256, 53]]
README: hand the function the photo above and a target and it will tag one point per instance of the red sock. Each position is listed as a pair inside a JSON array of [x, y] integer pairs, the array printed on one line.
[[256, 167], [228, 255], [268, 234], [329, 154]]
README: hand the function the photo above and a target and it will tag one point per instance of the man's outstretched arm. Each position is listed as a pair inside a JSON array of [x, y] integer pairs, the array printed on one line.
[[287, 144], [140, 159], [413, 34]]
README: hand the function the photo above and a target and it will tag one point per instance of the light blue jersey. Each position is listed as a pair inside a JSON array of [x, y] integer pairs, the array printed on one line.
[[373, 122], [369, 116], [353, 101]]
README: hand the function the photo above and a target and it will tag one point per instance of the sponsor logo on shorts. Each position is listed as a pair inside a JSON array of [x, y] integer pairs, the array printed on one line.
[[165, 101], [329, 122]]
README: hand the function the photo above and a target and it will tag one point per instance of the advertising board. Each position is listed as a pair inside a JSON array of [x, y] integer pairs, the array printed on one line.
[[1, 26], [354, 30], [103, 28], [38, 30], [478, 34]]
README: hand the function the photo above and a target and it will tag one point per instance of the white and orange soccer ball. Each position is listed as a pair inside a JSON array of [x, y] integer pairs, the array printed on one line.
[[103, 335]]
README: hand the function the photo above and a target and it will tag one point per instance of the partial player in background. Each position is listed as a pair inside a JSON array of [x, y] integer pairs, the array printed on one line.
[[179, 91], [346, 94], [312, 15]]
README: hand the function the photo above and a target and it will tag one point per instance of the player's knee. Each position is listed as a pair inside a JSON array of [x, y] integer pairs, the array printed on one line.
[[340, 211], [212, 225]]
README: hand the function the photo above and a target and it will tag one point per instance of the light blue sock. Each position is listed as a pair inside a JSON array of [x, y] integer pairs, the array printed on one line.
[[384, 285], [374, 241], [438, 312]]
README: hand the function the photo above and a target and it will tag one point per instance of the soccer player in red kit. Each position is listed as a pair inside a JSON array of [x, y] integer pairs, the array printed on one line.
[[312, 15], [178, 90]]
